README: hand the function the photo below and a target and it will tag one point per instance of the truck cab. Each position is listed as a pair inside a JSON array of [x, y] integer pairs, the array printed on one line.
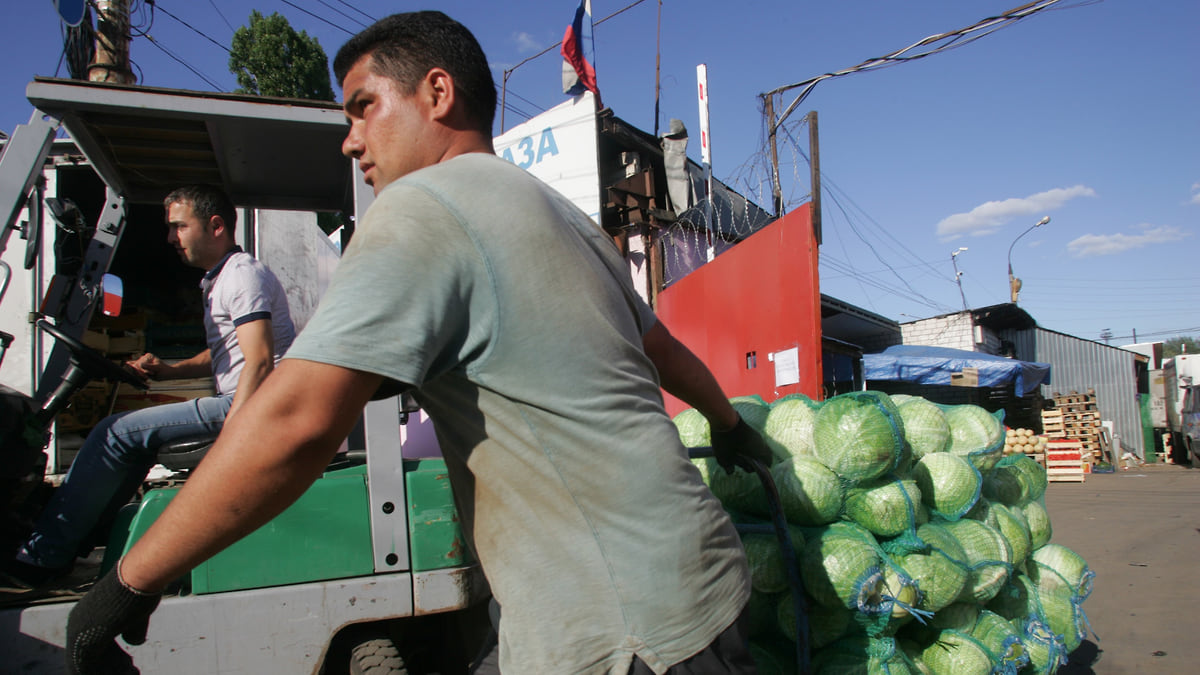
[[370, 564]]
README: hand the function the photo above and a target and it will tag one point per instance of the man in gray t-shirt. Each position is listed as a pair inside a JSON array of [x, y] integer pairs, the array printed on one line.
[[513, 320]]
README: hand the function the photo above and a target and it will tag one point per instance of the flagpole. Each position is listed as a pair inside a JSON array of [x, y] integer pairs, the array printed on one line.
[[657, 68], [706, 155]]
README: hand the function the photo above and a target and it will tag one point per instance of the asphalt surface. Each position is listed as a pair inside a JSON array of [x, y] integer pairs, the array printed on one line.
[[1139, 530]]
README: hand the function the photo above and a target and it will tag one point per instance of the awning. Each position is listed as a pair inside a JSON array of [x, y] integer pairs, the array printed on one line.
[[935, 365]]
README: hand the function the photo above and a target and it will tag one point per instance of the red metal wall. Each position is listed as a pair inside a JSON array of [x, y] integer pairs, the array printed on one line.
[[761, 296]]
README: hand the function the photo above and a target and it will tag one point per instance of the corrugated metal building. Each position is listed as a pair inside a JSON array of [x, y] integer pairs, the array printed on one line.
[[1115, 374]]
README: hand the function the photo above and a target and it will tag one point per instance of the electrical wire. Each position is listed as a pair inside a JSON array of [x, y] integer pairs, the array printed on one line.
[[218, 11], [317, 17], [184, 63], [335, 9], [951, 39], [373, 19], [197, 31]]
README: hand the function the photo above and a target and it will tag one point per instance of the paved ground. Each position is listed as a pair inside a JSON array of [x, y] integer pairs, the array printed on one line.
[[1140, 531]]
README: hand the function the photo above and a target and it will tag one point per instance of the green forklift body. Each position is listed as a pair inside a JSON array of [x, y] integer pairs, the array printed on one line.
[[325, 535]]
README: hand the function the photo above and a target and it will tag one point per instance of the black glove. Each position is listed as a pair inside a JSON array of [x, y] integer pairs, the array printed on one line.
[[111, 608], [738, 446]]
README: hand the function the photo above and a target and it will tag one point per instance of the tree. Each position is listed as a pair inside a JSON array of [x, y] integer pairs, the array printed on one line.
[[271, 59], [1176, 346]]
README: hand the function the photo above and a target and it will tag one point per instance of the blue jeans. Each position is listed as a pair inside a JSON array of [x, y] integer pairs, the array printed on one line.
[[110, 466]]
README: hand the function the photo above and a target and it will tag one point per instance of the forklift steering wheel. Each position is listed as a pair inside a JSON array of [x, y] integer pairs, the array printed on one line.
[[91, 361]]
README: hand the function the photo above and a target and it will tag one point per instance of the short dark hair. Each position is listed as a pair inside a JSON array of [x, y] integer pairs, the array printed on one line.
[[207, 201], [405, 47]]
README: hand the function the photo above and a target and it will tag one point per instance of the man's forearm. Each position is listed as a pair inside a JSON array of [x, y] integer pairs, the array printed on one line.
[[249, 381], [683, 375], [199, 365]]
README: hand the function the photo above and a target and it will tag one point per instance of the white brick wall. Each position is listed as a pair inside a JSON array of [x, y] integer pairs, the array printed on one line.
[[955, 331]]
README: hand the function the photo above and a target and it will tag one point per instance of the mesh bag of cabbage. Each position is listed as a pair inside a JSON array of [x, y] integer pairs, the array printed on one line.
[[950, 485], [989, 559], [789, 425], [860, 435], [1061, 613], [1015, 480], [1046, 651], [940, 570], [976, 434], [889, 508], [925, 425], [1010, 523], [825, 624], [1057, 568], [880, 656], [843, 566], [1002, 640], [956, 652]]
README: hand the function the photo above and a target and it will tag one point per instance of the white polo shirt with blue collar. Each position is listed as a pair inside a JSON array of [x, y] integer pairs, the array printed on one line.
[[238, 290]]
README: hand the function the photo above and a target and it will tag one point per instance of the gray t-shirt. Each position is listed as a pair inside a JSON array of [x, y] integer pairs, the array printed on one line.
[[238, 290], [514, 317]]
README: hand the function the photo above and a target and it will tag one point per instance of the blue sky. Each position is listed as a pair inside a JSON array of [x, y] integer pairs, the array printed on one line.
[[1086, 112]]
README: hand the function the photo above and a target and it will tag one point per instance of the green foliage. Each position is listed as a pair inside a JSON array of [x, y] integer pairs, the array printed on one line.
[[1175, 346], [270, 58]]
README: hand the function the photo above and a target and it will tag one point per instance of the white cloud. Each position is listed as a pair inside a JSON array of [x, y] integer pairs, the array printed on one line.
[[1090, 245], [525, 43], [1195, 193], [991, 216]]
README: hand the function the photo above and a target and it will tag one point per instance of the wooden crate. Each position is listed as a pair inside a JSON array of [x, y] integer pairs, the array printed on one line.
[[1064, 461], [1053, 424]]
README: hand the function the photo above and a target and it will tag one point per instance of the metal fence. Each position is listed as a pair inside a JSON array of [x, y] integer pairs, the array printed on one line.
[[1079, 365]]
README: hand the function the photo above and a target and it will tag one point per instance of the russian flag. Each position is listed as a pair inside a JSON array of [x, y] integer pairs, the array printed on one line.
[[578, 74]]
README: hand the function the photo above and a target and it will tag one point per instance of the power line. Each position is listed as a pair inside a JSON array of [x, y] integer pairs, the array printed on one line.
[[335, 9], [373, 19], [952, 39], [184, 63], [197, 31], [318, 18], [218, 11]]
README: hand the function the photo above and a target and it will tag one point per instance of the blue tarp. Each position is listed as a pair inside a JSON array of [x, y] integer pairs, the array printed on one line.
[[933, 365]]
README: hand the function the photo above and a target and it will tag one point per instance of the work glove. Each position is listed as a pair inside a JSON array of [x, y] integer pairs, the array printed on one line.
[[111, 608], [736, 447]]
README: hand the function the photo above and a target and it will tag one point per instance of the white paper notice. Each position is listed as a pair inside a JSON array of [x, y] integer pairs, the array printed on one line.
[[787, 366]]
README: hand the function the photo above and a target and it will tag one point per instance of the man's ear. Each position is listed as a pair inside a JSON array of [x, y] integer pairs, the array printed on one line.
[[438, 88], [218, 226]]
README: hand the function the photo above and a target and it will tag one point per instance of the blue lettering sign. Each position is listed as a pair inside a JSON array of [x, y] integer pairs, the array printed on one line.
[[524, 157]]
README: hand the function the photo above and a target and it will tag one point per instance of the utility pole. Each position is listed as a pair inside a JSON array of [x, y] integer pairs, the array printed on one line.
[[958, 275], [111, 63]]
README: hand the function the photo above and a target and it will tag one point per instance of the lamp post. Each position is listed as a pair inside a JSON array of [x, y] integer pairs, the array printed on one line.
[[1014, 284], [958, 275]]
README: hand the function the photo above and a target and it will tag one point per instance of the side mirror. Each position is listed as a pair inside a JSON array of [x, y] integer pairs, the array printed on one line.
[[113, 293]]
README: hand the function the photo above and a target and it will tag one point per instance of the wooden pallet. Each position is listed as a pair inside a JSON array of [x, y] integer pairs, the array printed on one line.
[[1064, 461]]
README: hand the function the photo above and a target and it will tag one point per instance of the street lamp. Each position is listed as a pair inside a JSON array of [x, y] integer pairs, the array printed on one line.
[[1014, 284], [958, 275]]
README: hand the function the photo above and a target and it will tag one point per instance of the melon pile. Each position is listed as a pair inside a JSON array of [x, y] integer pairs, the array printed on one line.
[[921, 546]]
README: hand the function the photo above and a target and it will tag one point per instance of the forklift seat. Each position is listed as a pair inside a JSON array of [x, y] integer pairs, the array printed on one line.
[[185, 454]]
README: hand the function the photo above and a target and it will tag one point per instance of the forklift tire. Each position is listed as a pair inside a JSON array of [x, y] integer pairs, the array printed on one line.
[[377, 656]]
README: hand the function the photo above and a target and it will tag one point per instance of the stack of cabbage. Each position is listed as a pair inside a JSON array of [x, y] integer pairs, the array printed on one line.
[[921, 547]]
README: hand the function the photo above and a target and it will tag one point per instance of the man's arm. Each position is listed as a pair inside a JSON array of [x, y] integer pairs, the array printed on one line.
[[256, 339], [265, 458], [151, 367], [684, 376]]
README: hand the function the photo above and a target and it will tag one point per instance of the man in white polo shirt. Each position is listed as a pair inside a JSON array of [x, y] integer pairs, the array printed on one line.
[[247, 328]]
